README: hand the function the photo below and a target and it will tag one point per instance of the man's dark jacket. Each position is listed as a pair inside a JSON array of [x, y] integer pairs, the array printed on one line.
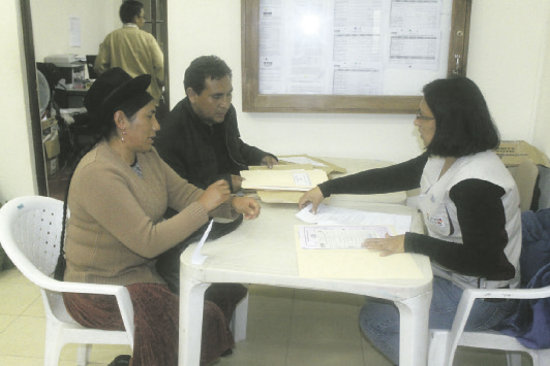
[[187, 145]]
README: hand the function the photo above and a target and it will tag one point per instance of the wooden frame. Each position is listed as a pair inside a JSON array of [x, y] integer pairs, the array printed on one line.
[[253, 101]]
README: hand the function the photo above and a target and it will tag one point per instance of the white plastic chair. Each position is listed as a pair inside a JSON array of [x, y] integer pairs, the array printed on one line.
[[30, 228], [239, 320], [443, 343]]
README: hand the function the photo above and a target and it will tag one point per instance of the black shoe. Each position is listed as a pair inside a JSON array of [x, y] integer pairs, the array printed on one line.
[[122, 360], [227, 352]]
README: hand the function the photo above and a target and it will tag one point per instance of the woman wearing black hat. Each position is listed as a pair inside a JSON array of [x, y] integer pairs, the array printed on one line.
[[117, 196]]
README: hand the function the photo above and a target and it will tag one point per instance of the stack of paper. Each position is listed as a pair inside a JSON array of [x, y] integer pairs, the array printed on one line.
[[338, 237], [283, 180], [339, 216], [343, 231], [307, 161]]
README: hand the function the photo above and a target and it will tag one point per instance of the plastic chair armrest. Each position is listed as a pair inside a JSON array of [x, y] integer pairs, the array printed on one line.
[[467, 301], [120, 292]]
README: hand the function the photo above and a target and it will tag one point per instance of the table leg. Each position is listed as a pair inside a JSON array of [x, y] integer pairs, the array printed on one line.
[[191, 314], [413, 330]]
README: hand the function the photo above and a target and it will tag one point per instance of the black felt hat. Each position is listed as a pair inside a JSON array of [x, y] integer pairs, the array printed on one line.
[[111, 89]]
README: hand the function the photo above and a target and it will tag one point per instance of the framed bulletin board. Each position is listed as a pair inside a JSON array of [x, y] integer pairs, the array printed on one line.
[[349, 56]]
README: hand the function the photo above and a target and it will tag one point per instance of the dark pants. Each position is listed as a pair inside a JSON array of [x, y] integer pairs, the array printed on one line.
[[219, 298], [156, 322]]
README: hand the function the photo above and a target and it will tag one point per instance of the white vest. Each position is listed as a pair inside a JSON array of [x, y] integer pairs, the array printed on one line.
[[440, 215]]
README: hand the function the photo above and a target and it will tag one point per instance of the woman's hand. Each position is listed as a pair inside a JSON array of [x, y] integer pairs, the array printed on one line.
[[216, 194], [313, 196], [248, 206], [386, 246], [269, 161]]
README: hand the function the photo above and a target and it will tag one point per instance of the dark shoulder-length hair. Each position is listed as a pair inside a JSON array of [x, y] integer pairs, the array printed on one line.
[[463, 123]]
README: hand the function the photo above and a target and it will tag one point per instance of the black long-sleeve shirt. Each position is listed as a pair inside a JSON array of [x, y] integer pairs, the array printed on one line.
[[480, 214], [201, 153]]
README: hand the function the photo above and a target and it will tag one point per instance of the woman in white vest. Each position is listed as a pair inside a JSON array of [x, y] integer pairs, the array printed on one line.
[[470, 205]]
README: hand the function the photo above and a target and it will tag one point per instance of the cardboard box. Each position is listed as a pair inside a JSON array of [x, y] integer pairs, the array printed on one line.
[[512, 153], [51, 145], [52, 165], [47, 125]]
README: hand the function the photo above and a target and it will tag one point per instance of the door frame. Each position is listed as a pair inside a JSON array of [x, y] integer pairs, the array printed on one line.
[[36, 129]]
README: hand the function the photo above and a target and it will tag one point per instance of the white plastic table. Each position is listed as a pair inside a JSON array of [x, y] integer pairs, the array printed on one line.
[[263, 251]]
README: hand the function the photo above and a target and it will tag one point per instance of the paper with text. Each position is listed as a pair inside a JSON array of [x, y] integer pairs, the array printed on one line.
[[301, 160], [197, 257], [354, 264], [289, 180], [330, 215], [338, 237]]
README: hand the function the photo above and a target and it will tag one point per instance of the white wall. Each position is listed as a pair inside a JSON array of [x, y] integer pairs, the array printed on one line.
[[542, 124], [505, 60], [51, 25], [507, 48], [17, 172]]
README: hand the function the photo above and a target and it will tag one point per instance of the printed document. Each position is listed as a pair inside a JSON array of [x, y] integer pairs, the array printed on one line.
[[197, 257], [330, 215], [338, 237]]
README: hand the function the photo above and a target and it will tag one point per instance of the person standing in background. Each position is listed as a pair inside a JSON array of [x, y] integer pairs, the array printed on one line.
[[132, 49]]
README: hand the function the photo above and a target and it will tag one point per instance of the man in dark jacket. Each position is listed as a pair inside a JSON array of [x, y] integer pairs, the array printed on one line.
[[200, 137]]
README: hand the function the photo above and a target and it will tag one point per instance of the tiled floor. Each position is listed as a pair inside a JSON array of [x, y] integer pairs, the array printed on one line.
[[286, 327]]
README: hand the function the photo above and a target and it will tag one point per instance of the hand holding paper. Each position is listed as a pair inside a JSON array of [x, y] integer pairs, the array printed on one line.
[[313, 198]]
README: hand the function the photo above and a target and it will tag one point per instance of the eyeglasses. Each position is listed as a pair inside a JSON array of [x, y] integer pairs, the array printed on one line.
[[422, 117]]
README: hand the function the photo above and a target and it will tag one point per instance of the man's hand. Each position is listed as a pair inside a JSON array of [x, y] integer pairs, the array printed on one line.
[[216, 194], [386, 246], [313, 196], [236, 182], [269, 160], [248, 206]]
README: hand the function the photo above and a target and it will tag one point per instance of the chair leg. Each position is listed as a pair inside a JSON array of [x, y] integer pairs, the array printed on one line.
[[239, 320], [53, 346], [83, 354], [513, 358], [436, 349], [540, 357]]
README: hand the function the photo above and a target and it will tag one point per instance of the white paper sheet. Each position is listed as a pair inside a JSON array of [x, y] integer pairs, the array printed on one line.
[[338, 237], [329, 215], [352, 47], [283, 179], [301, 160], [197, 257], [74, 32]]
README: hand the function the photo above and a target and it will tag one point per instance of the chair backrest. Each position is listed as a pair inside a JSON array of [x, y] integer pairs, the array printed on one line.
[[525, 175], [90, 61], [30, 229]]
